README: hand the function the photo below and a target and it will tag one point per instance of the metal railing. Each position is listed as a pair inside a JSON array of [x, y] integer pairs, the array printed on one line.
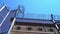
[[2, 15], [12, 23], [14, 19], [40, 16], [5, 17]]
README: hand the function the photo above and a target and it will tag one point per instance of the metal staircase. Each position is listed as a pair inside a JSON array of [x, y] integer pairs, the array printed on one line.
[[4, 19], [5, 16]]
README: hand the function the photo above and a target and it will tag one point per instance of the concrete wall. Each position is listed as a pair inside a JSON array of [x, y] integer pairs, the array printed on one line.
[[34, 30]]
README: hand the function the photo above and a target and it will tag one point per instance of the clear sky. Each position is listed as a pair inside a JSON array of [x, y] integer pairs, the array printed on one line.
[[36, 6]]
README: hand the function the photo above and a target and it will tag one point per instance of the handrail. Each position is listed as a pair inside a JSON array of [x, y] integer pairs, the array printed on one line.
[[13, 22], [11, 25], [3, 7], [5, 18], [1, 10]]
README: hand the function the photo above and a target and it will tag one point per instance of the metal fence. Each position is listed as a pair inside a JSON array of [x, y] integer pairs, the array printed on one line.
[[39, 16]]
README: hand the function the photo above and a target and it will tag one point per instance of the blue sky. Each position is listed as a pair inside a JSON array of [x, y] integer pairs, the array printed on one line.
[[36, 6]]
